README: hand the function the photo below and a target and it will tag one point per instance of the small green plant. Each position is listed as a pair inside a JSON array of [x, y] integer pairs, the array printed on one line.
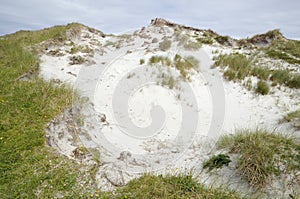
[[74, 49], [261, 72], [165, 45], [142, 61], [216, 162], [262, 88]]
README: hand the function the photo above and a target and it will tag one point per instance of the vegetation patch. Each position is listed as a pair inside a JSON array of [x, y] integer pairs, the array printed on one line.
[[29, 169], [216, 162], [76, 60], [181, 186], [224, 40], [262, 88], [263, 155], [237, 67], [293, 117], [205, 40], [183, 65], [165, 44], [142, 61], [83, 49], [286, 50]]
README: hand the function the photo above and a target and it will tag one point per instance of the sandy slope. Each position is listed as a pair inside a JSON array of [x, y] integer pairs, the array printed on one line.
[[139, 125]]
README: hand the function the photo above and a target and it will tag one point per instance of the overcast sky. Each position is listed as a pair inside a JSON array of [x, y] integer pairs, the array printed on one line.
[[237, 18]]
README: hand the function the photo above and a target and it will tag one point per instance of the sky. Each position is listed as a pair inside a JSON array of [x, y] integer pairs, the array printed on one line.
[[236, 18]]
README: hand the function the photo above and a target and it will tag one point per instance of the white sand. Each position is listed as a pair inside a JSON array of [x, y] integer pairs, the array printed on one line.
[[100, 80]]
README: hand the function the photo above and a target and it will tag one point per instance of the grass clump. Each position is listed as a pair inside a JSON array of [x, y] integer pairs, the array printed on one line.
[[294, 81], [165, 44], [293, 117], [183, 65], [262, 155], [261, 72], [217, 161], [160, 59], [142, 61], [192, 45], [181, 186], [262, 88], [237, 65]]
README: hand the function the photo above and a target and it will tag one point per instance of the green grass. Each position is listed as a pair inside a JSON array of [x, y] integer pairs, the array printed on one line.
[[293, 116], [237, 67], [183, 65], [181, 186], [165, 61], [263, 155], [262, 88], [56, 33], [26, 165], [286, 50], [192, 45], [83, 49]]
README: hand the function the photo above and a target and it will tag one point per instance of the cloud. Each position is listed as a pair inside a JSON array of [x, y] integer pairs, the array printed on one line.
[[232, 17]]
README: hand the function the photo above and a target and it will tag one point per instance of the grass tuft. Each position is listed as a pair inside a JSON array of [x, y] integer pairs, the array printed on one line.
[[263, 155], [262, 88]]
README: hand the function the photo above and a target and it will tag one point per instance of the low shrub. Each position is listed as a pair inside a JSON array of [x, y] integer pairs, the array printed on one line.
[[216, 161]]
